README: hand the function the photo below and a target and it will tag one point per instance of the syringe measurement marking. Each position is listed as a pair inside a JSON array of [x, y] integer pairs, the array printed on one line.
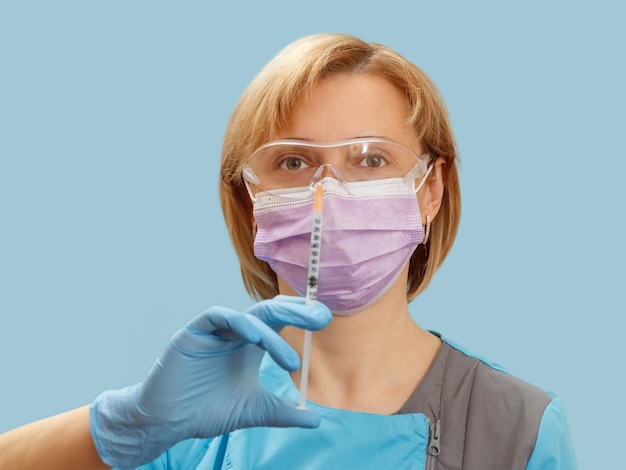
[[314, 258]]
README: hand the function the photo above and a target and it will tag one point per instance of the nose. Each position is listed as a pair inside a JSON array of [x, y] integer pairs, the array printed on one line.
[[325, 171]]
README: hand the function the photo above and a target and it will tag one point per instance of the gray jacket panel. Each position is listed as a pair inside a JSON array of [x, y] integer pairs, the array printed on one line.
[[489, 418], [503, 419]]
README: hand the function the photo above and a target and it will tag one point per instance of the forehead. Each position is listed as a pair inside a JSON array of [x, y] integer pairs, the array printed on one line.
[[347, 106]]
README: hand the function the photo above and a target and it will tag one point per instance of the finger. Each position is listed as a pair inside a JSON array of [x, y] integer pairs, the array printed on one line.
[[283, 354], [287, 310], [221, 318], [199, 337], [214, 331]]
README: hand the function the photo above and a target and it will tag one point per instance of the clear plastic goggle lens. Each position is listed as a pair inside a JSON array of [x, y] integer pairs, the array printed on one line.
[[286, 164]]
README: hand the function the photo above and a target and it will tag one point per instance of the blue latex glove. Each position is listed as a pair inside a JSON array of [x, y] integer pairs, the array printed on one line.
[[206, 383]]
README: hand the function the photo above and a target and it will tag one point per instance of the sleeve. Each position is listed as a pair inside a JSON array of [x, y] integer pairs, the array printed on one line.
[[158, 464], [191, 454], [554, 449]]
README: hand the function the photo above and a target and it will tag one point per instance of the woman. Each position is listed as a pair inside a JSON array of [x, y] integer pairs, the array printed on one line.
[[368, 128]]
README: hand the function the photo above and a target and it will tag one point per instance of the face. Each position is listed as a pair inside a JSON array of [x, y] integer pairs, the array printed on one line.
[[351, 106]]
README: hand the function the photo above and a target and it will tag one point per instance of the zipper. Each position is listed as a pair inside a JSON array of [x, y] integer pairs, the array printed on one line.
[[434, 433]]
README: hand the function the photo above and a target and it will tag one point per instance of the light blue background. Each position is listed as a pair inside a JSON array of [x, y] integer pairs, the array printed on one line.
[[111, 235]]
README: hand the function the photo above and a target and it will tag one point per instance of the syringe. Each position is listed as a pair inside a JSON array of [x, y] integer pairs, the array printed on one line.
[[311, 287]]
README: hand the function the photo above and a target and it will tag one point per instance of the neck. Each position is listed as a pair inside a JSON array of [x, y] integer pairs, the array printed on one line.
[[371, 361]]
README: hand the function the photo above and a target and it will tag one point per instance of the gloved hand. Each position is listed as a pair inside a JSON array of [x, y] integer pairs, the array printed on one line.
[[206, 383]]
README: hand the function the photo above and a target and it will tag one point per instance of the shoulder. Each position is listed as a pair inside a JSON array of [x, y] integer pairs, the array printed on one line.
[[554, 447], [491, 412], [493, 383], [496, 413]]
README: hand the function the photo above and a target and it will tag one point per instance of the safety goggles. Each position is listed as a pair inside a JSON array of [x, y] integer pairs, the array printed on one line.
[[288, 164]]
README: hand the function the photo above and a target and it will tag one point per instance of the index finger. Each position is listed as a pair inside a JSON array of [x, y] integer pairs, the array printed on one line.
[[285, 310]]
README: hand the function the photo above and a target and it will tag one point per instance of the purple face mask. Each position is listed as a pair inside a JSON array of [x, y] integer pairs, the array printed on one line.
[[370, 230]]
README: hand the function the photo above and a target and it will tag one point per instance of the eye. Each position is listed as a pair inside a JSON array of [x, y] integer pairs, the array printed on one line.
[[373, 161], [292, 163]]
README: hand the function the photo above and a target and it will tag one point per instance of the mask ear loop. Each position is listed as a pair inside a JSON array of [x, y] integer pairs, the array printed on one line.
[[416, 169]]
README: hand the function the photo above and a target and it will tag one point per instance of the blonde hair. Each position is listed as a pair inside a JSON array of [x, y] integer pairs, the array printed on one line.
[[265, 108]]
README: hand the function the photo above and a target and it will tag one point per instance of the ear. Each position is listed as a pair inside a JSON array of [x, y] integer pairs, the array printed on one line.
[[431, 193]]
